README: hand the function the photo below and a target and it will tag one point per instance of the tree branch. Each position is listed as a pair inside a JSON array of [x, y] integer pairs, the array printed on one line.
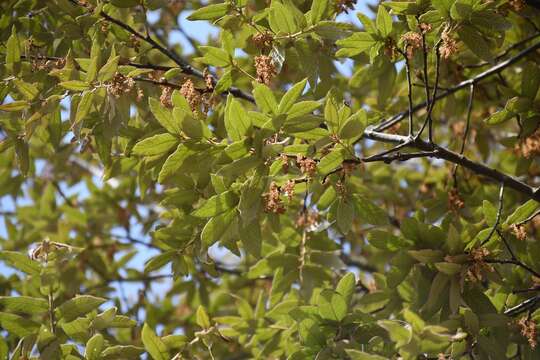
[[453, 157]]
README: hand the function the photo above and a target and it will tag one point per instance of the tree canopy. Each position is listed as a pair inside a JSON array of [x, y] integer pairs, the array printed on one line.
[[318, 179]]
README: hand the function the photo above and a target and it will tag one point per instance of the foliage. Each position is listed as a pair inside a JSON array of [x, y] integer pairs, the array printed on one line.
[[283, 207]]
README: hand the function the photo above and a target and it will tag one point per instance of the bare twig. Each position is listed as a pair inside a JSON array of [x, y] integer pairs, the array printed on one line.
[[466, 131], [527, 305], [431, 102], [498, 216]]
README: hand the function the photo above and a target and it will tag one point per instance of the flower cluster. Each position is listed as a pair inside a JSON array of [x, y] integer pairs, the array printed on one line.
[[166, 96], [263, 40], [266, 70], [528, 330], [192, 95], [413, 41], [454, 200], [119, 85], [519, 231], [448, 46], [208, 80], [517, 5], [344, 6], [530, 146], [272, 200], [307, 166], [458, 128], [308, 219], [477, 257], [288, 188], [176, 5], [39, 63], [134, 42], [425, 28]]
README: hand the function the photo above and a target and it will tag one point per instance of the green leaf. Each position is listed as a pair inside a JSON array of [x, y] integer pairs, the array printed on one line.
[[108, 70], [24, 304], [85, 104], [28, 90], [174, 162], [202, 318], [438, 286], [369, 213], [210, 12], [360, 355], [216, 205], [523, 212], [318, 10], [20, 262], [219, 228], [448, 268], [78, 306], [281, 19], [215, 56], [265, 99], [332, 305], [345, 215], [125, 3], [15, 106], [237, 122], [355, 44], [427, 256], [331, 161], [354, 126], [475, 42], [530, 80], [17, 325], [499, 117], [160, 261], [331, 114], [405, 7], [22, 151], [288, 100], [384, 22], [13, 49], [155, 145], [128, 352], [75, 85], [399, 333], [443, 6], [311, 333], [346, 287], [153, 344], [94, 346], [302, 108], [164, 116], [224, 82]]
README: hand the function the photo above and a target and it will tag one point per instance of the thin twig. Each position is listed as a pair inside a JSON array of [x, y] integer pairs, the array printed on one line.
[[527, 305], [498, 216], [514, 262], [466, 131], [431, 102]]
